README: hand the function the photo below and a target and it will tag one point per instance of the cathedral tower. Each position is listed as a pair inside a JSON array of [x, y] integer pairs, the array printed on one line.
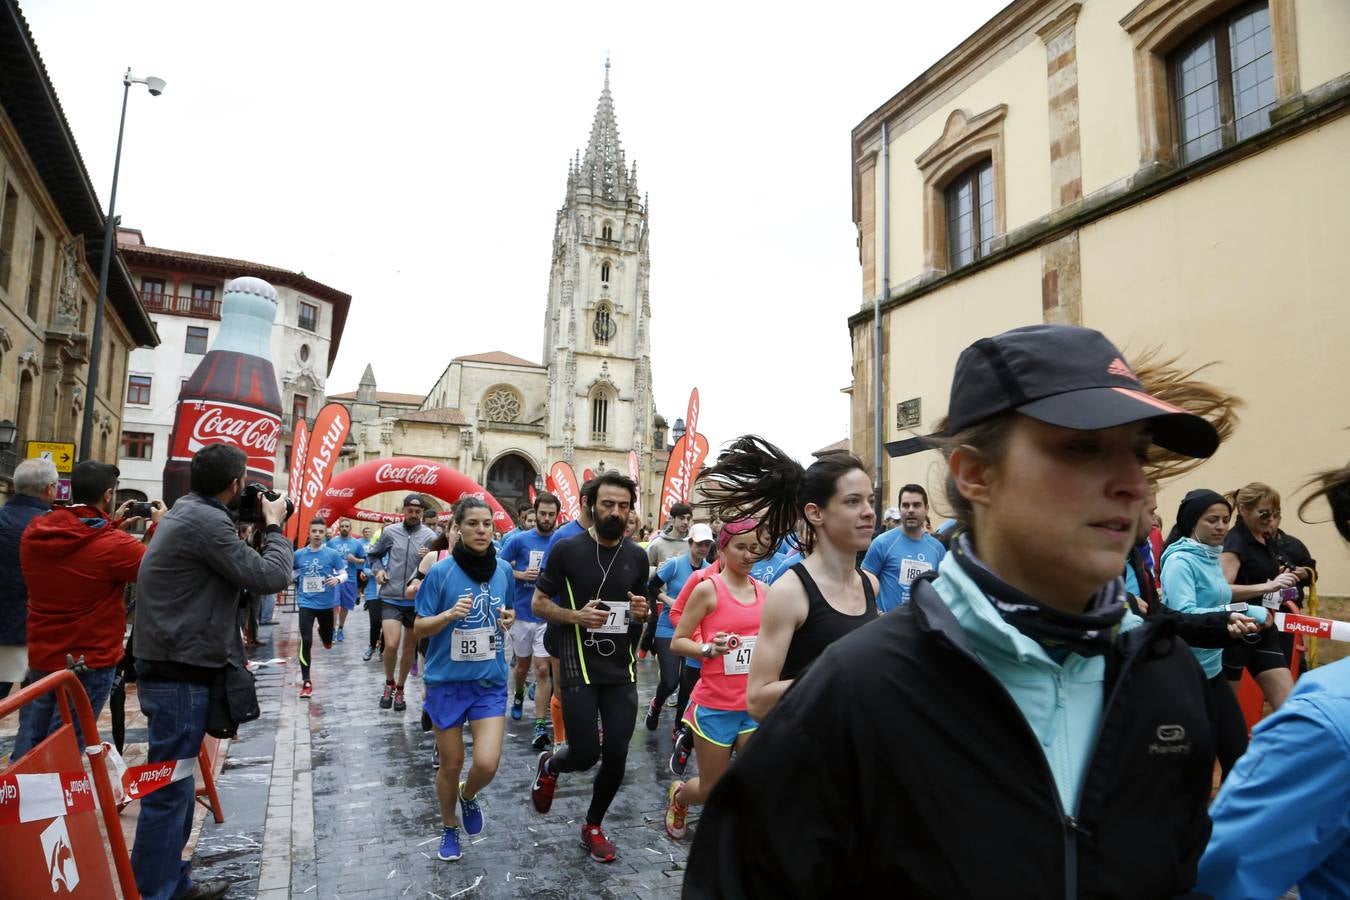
[[596, 343]]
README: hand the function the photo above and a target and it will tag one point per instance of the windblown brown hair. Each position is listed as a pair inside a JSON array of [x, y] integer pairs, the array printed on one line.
[[1163, 378], [1334, 487]]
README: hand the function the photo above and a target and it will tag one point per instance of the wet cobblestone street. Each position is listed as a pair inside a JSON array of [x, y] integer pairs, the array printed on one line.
[[335, 797]]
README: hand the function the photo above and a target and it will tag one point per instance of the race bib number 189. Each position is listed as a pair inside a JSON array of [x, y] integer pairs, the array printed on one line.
[[737, 662], [911, 569]]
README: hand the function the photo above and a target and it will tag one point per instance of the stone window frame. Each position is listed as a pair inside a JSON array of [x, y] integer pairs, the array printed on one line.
[[604, 312], [508, 389], [966, 140], [1159, 27], [600, 401]]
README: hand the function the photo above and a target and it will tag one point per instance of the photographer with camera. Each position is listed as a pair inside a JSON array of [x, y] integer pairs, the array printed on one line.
[[77, 561], [186, 643]]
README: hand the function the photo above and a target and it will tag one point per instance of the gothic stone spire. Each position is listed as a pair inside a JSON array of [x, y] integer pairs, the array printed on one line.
[[603, 168]]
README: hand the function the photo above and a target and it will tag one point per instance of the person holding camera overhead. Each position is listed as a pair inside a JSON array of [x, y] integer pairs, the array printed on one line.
[[77, 561], [186, 641]]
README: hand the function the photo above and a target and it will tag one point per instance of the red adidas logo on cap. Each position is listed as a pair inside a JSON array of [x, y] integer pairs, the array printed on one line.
[[1118, 367]]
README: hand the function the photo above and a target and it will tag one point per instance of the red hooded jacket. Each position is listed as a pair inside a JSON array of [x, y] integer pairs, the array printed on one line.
[[76, 564]]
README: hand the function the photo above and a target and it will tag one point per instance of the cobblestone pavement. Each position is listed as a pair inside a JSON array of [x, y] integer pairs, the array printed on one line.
[[334, 797]]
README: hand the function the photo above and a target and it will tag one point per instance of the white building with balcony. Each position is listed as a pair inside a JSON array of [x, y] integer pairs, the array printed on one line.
[[182, 292]]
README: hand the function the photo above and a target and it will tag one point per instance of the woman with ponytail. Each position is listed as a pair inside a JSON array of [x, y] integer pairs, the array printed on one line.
[[1012, 731], [830, 595]]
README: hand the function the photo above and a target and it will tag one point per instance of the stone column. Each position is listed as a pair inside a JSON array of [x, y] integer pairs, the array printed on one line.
[[1061, 274]]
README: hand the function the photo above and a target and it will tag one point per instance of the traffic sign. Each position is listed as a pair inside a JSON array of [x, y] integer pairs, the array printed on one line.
[[62, 454]]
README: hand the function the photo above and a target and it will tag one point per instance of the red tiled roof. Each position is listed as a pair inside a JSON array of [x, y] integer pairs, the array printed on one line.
[[384, 397], [499, 357], [844, 446]]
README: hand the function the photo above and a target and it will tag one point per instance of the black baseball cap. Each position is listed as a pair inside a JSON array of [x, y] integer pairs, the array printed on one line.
[[412, 500], [1062, 375]]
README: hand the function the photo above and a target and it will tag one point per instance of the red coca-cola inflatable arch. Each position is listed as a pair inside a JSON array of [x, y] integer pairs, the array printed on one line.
[[401, 473]]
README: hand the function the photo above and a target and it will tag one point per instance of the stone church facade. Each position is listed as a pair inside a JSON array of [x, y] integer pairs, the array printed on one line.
[[504, 420]]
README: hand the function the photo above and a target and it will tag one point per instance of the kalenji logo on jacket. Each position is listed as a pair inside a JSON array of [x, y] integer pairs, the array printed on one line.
[[1171, 740]]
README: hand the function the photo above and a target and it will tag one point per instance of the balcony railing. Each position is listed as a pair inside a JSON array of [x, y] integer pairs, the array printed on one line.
[[181, 305]]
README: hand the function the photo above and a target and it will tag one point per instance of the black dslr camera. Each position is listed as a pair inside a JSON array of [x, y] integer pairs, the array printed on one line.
[[250, 503]]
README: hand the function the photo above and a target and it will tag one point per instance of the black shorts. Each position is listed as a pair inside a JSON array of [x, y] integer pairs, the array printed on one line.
[[1262, 655], [405, 614], [551, 635]]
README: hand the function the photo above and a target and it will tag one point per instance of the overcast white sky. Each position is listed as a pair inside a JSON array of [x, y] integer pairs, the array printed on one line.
[[414, 155]]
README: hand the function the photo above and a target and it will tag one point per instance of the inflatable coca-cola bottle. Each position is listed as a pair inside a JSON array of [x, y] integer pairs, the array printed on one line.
[[232, 398]]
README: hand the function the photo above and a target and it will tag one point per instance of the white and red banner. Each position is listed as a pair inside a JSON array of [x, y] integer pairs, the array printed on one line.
[[295, 479], [565, 484], [691, 445], [44, 795], [1312, 626], [330, 431], [635, 473], [680, 474], [401, 473], [203, 422]]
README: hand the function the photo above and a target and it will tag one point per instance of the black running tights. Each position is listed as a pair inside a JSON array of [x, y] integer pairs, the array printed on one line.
[[307, 619], [688, 678], [617, 707], [1227, 723], [373, 609], [670, 671]]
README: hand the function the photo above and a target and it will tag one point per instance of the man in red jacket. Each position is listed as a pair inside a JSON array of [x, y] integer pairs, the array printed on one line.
[[77, 561]]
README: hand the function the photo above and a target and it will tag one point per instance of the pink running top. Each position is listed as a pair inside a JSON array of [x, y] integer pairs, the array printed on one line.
[[722, 684]]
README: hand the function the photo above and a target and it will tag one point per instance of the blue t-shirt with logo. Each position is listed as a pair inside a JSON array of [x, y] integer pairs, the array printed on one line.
[[674, 572], [478, 634], [352, 546], [372, 586], [310, 564], [519, 551], [768, 570], [897, 560]]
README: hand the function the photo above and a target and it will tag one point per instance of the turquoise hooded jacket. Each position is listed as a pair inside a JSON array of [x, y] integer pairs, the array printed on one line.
[[1192, 582], [1061, 702]]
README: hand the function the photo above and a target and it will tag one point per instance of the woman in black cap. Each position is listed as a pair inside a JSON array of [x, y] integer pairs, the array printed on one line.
[[1013, 731], [1193, 582]]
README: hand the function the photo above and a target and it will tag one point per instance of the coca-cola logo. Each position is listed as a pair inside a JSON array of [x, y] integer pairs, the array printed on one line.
[[246, 429], [347, 492], [417, 474]]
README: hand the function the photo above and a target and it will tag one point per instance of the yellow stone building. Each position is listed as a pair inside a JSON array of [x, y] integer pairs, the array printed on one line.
[[1170, 172]]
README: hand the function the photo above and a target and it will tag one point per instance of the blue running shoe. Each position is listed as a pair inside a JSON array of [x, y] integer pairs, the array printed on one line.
[[517, 706], [340, 636], [449, 850], [470, 813], [531, 690]]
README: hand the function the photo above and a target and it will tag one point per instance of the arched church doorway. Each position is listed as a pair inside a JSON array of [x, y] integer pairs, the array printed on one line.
[[509, 480]]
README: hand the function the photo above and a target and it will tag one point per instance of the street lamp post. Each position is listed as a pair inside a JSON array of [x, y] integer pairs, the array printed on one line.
[[156, 87]]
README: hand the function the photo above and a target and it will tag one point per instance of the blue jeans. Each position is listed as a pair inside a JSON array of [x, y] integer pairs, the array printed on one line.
[[267, 605], [40, 718], [176, 717]]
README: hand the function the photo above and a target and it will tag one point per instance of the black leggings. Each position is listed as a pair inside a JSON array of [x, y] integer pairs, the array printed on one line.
[[373, 610], [617, 706], [307, 619], [688, 678], [670, 671], [1227, 723]]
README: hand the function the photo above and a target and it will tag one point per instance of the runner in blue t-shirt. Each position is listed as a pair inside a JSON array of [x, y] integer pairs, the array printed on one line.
[[463, 606], [904, 553], [525, 552], [317, 570], [353, 550], [665, 586], [370, 596]]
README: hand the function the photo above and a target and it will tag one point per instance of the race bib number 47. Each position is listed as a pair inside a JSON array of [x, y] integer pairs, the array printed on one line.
[[473, 644], [737, 662], [616, 621]]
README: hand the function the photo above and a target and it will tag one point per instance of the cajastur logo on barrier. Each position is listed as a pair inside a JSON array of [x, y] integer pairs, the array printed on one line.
[[419, 474], [1306, 625], [60, 857]]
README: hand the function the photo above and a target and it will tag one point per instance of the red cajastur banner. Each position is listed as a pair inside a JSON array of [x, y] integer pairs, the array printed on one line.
[[691, 446], [565, 481], [680, 471], [330, 430], [295, 480], [635, 473]]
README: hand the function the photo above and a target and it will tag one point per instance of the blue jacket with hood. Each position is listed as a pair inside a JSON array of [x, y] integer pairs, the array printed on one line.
[[1193, 582]]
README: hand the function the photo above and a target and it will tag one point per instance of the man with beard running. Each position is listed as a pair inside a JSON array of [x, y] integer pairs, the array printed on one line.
[[353, 552], [525, 553], [598, 578], [396, 555]]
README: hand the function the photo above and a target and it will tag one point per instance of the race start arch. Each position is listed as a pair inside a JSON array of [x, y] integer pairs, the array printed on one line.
[[401, 473]]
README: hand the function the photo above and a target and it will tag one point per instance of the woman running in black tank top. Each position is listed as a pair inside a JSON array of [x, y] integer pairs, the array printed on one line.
[[830, 503], [824, 624]]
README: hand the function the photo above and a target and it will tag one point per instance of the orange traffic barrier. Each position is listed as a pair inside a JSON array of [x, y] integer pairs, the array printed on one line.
[[48, 817], [206, 762]]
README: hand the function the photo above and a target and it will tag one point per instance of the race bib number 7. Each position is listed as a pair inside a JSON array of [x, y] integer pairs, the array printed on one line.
[[616, 621], [737, 662], [312, 584], [473, 644]]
